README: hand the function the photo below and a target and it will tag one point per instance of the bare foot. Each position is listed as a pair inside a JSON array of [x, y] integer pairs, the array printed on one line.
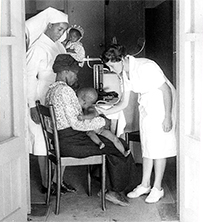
[[116, 198], [126, 153], [101, 145]]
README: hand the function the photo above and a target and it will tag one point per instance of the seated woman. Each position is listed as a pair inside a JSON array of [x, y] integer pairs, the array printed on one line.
[[73, 139]]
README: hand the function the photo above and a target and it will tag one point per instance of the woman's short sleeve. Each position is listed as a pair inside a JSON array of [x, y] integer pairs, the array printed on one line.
[[150, 77]]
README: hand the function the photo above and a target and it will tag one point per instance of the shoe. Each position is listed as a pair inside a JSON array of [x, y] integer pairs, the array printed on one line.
[[44, 189], [116, 198], [155, 195], [54, 189], [64, 188], [138, 191], [68, 187], [99, 193], [101, 145]]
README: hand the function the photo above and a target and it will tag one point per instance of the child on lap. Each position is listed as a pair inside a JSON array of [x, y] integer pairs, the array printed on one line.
[[87, 97]]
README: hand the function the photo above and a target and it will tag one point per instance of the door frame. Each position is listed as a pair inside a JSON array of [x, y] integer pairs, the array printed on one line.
[[189, 48], [13, 155]]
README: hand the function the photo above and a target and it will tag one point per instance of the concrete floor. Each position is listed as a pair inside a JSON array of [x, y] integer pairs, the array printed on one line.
[[81, 208]]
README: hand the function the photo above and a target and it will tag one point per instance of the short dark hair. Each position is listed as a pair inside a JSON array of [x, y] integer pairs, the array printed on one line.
[[114, 53]]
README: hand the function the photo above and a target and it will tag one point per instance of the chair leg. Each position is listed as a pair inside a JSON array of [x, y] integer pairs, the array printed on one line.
[[103, 200], [89, 190], [127, 138], [58, 183], [49, 182]]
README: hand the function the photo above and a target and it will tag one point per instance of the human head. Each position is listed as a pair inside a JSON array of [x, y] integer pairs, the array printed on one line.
[[66, 68], [113, 57], [38, 24], [87, 97], [55, 30], [76, 33]]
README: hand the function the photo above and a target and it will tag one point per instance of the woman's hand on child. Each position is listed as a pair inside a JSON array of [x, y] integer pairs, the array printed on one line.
[[80, 117], [34, 115], [70, 50]]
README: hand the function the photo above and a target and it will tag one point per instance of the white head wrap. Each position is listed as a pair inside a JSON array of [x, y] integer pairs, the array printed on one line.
[[37, 25]]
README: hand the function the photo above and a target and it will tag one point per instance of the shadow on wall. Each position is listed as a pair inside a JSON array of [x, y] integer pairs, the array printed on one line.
[[159, 36]]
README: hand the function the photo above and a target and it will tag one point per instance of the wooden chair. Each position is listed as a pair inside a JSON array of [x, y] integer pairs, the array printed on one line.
[[132, 136], [48, 123]]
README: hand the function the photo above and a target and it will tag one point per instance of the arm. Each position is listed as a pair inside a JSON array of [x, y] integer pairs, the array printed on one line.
[[88, 113], [91, 113], [118, 107], [167, 97], [72, 109], [70, 50], [78, 50]]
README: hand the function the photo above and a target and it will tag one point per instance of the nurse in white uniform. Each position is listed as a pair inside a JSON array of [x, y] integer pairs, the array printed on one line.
[[43, 33], [157, 113]]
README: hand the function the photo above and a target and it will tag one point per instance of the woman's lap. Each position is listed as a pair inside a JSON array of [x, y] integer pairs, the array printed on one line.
[[78, 144], [119, 168]]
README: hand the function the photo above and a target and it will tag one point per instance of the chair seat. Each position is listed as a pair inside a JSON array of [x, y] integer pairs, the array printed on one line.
[[71, 161]]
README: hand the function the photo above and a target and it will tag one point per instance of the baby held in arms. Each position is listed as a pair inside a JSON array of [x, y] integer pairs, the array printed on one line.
[[73, 44], [87, 97]]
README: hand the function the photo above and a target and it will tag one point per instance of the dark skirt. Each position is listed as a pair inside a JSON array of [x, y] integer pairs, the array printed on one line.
[[121, 171]]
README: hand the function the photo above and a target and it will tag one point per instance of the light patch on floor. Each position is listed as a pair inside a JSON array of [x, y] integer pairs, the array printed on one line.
[[82, 208]]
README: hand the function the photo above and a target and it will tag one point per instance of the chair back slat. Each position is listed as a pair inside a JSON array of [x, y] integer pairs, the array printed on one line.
[[49, 128]]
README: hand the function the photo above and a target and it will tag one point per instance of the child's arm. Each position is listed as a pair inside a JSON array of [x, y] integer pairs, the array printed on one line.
[[107, 126], [70, 50], [89, 113]]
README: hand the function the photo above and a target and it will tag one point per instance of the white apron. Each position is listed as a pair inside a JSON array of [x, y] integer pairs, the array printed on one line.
[[40, 58], [156, 143]]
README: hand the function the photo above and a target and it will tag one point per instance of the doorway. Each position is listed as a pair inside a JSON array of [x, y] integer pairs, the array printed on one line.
[[160, 28], [77, 13]]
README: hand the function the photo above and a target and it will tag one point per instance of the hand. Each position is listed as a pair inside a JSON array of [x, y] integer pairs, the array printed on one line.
[[167, 124], [70, 50], [102, 110], [34, 115], [80, 117]]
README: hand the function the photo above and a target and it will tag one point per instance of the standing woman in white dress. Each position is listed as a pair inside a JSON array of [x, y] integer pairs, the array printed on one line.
[[157, 113], [43, 33]]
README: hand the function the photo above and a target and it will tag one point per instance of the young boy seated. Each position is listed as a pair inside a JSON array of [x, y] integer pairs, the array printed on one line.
[[73, 45], [87, 98]]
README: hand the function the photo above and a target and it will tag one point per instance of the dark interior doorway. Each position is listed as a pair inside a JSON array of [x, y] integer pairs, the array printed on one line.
[[159, 36]]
